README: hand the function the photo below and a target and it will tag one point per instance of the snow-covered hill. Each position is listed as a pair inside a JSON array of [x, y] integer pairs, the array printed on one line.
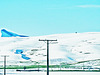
[[69, 48]]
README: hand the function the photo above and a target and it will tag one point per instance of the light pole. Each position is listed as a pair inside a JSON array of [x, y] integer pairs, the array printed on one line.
[[4, 63], [47, 53]]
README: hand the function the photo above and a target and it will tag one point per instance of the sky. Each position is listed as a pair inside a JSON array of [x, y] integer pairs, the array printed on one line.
[[46, 17]]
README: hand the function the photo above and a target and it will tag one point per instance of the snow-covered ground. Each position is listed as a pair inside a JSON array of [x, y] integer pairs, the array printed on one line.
[[69, 48], [14, 72], [53, 73]]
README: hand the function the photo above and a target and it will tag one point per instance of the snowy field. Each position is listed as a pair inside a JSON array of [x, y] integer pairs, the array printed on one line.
[[14, 72], [86, 46], [81, 50], [54, 73]]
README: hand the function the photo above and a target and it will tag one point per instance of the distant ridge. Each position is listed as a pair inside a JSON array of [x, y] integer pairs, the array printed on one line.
[[5, 33]]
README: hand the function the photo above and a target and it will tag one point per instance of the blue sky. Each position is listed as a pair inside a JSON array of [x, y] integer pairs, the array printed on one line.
[[45, 17]]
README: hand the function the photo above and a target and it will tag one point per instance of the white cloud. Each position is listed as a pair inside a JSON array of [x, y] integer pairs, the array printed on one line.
[[89, 6]]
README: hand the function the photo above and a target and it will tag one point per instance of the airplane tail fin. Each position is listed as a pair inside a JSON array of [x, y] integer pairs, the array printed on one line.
[[5, 33]]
